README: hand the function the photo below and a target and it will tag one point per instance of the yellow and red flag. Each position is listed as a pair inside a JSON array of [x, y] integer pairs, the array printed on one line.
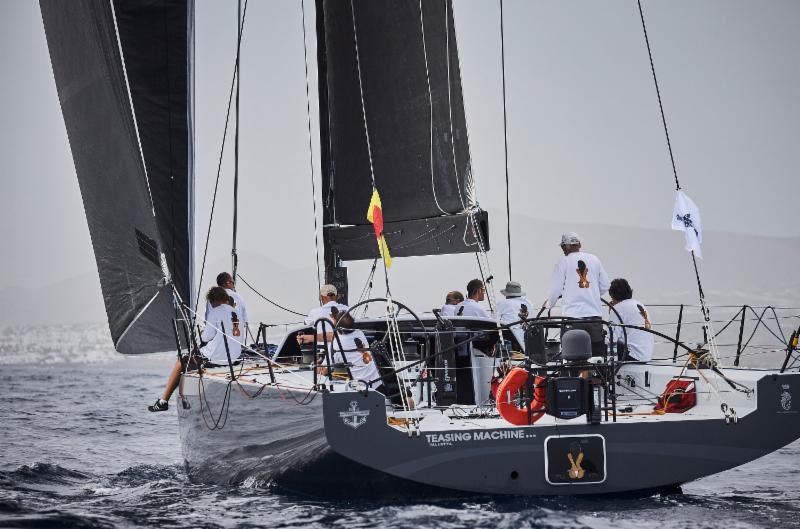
[[375, 216]]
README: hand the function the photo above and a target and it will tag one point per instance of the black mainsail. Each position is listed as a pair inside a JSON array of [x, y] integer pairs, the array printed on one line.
[[392, 113], [123, 73]]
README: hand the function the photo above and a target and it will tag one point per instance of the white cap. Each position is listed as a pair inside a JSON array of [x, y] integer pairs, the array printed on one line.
[[327, 290], [570, 238]]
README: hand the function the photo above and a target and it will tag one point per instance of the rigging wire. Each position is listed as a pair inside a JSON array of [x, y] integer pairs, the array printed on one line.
[[219, 164], [234, 255], [658, 94], [265, 298], [704, 308], [505, 136], [310, 147], [366, 131]]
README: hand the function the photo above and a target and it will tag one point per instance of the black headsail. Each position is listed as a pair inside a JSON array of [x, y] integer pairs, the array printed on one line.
[[391, 106], [123, 74]]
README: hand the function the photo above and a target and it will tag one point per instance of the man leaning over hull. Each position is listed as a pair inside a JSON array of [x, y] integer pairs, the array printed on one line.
[[220, 344]]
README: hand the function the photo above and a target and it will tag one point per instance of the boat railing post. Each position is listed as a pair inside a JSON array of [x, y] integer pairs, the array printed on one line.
[[188, 336], [677, 334], [325, 344], [613, 388], [177, 336], [527, 390], [227, 350], [741, 334], [790, 348], [262, 334]]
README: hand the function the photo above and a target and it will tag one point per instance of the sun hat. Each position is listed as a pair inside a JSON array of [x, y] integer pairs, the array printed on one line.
[[512, 290]]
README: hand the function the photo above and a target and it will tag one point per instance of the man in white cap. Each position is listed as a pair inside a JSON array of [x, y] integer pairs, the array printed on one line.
[[328, 298], [579, 279]]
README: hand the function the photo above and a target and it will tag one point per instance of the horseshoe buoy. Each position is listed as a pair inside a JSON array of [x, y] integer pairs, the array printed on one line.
[[507, 391]]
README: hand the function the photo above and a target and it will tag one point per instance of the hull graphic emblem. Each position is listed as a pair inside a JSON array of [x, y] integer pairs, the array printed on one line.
[[786, 398], [575, 457], [354, 417]]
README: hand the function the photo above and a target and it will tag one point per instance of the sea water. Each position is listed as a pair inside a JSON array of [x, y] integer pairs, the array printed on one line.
[[78, 448]]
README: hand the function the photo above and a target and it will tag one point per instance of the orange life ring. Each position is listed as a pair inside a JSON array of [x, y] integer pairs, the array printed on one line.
[[507, 390]]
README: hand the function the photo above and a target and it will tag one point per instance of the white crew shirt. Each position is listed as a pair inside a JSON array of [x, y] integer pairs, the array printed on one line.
[[324, 312], [217, 318], [362, 365], [640, 343], [509, 308], [578, 301], [471, 308], [241, 310], [448, 310]]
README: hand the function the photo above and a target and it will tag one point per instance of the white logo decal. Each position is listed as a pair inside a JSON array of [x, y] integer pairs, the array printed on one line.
[[354, 417], [786, 398]]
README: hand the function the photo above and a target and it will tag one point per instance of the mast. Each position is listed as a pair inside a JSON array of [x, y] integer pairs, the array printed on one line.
[[234, 255], [334, 273]]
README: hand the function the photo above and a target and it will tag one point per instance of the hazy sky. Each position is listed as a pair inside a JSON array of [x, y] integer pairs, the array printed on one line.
[[585, 136]]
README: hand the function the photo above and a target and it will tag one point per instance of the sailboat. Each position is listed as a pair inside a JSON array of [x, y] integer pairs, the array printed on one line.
[[470, 406]]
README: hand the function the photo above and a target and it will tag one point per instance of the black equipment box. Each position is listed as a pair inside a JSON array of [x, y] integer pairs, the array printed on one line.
[[567, 397], [445, 364]]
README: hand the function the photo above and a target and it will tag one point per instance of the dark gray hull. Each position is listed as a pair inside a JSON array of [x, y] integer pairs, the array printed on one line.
[[277, 440], [293, 442], [637, 456]]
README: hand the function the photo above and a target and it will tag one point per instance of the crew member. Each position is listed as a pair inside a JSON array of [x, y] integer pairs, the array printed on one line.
[[628, 311], [514, 303], [352, 348], [226, 281], [579, 279], [219, 340], [514, 307], [452, 299], [476, 293], [328, 300]]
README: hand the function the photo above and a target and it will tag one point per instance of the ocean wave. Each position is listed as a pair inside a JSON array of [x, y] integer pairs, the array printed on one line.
[[87, 343]]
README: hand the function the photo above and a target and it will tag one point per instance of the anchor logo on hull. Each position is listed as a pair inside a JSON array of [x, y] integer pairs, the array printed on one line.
[[786, 398], [354, 417]]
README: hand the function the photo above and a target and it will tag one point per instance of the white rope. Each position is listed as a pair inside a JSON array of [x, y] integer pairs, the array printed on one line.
[[450, 103], [430, 103], [361, 93], [469, 179]]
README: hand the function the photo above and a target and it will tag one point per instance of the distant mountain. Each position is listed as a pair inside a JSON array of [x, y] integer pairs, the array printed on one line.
[[74, 300], [737, 269]]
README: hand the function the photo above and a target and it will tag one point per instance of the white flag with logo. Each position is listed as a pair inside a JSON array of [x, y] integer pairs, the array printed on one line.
[[686, 218]]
